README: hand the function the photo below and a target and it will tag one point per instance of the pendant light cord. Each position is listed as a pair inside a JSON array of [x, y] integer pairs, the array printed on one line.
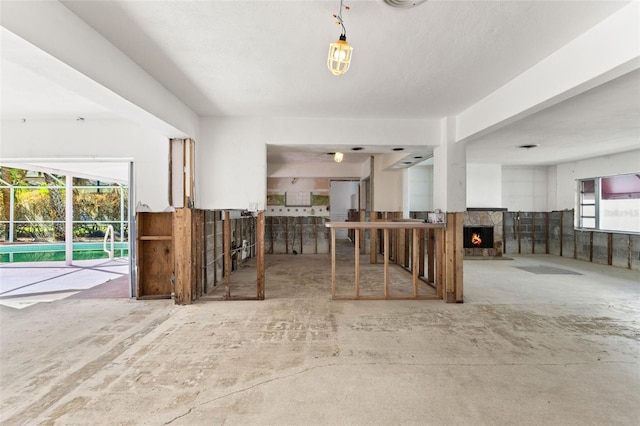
[[339, 18]]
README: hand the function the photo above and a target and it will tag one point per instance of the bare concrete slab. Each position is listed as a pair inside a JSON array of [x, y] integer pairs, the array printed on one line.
[[524, 349]]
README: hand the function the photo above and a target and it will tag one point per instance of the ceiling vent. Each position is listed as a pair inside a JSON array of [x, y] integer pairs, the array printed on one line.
[[404, 3]]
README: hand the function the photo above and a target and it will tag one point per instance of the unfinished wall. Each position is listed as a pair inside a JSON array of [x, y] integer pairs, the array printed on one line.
[[553, 233], [304, 235]]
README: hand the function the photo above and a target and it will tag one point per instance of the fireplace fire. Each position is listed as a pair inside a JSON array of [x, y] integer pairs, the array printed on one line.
[[478, 236]]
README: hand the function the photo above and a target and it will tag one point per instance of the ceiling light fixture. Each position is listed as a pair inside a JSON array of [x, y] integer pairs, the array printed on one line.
[[529, 146], [339, 58], [338, 156]]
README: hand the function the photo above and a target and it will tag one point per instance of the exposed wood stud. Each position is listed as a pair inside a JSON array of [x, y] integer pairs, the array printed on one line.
[[260, 264], [227, 254], [609, 249]]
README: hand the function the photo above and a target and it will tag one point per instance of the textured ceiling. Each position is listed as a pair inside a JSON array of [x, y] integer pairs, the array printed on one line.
[[268, 58]]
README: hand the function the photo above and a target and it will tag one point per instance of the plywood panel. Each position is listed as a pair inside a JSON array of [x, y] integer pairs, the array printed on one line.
[[155, 267]]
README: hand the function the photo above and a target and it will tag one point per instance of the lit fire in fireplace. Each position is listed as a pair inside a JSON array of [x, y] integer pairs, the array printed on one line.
[[475, 239]]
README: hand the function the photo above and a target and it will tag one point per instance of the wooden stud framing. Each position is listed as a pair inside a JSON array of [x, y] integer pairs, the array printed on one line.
[[226, 238], [333, 263], [183, 256], [414, 262], [357, 262], [431, 248], [260, 256], [386, 263], [413, 259], [373, 241]]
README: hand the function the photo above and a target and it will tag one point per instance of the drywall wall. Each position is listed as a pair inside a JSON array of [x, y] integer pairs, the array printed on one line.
[[387, 187], [421, 188], [95, 140], [484, 185], [524, 188], [231, 164], [606, 165]]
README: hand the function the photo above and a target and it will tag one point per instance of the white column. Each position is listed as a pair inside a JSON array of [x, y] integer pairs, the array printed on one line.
[[68, 220], [449, 170]]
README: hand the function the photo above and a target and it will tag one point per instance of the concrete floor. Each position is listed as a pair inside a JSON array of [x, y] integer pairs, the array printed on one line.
[[556, 343]]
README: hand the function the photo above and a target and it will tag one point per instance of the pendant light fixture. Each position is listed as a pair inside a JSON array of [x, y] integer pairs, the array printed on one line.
[[339, 57], [338, 156]]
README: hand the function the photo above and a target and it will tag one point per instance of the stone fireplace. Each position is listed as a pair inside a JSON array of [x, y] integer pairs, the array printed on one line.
[[482, 232]]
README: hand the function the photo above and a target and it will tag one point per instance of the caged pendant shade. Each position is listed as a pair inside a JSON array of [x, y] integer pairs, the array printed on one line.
[[339, 57]]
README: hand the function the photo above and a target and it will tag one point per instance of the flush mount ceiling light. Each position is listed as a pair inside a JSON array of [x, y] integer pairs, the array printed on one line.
[[339, 58], [404, 3], [338, 156], [530, 146]]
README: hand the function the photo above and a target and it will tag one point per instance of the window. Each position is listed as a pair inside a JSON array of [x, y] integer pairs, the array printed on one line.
[[609, 203]]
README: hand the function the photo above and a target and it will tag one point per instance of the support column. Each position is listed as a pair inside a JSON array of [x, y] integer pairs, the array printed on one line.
[[450, 196], [68, 221]]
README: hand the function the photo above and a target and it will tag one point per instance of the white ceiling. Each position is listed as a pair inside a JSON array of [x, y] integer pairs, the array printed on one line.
[[268, 58]]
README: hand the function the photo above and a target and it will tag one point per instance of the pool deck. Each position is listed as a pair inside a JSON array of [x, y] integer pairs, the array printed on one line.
[[23, 284]]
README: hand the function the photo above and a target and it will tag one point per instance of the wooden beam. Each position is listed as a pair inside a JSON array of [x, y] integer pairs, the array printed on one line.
[[183, 256], [431, 248], [333, 262], [373, 241], [226, 244], [260, 256], [421, 254], [357, 261], [414, 263], [386, 262]]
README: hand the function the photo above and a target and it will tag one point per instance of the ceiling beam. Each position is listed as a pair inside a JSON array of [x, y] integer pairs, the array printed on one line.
[[83, 61], [605, 52]]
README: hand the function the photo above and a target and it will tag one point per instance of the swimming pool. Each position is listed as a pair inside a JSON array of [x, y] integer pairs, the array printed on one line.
[[56, 252]]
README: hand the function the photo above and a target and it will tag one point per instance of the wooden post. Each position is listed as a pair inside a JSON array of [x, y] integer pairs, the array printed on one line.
[[414, 261], [226, 244], [439, 262], [386, 263], [363, 233], [356, 253], [260, 255], [421, 253], [333, 263], [182, 256], [286, 235], [610, 249], [454, 256], [533, 233], [301, 230], [546, 236], [431, 247], [315, 235], [518, 234], [561, 231], [373, 241]]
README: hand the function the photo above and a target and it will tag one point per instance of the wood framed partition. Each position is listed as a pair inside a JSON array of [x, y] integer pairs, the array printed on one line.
[[409, 242], [171, 261]]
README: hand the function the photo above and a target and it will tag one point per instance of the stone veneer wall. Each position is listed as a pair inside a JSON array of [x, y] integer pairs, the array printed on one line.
[[486, 218]]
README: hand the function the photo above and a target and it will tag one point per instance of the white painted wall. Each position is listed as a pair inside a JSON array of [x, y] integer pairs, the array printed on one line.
[[608, 165], [94, 140], [231, 164], [421, 188], [387, 187], [341, 196], [484, 185], [524, 188]]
